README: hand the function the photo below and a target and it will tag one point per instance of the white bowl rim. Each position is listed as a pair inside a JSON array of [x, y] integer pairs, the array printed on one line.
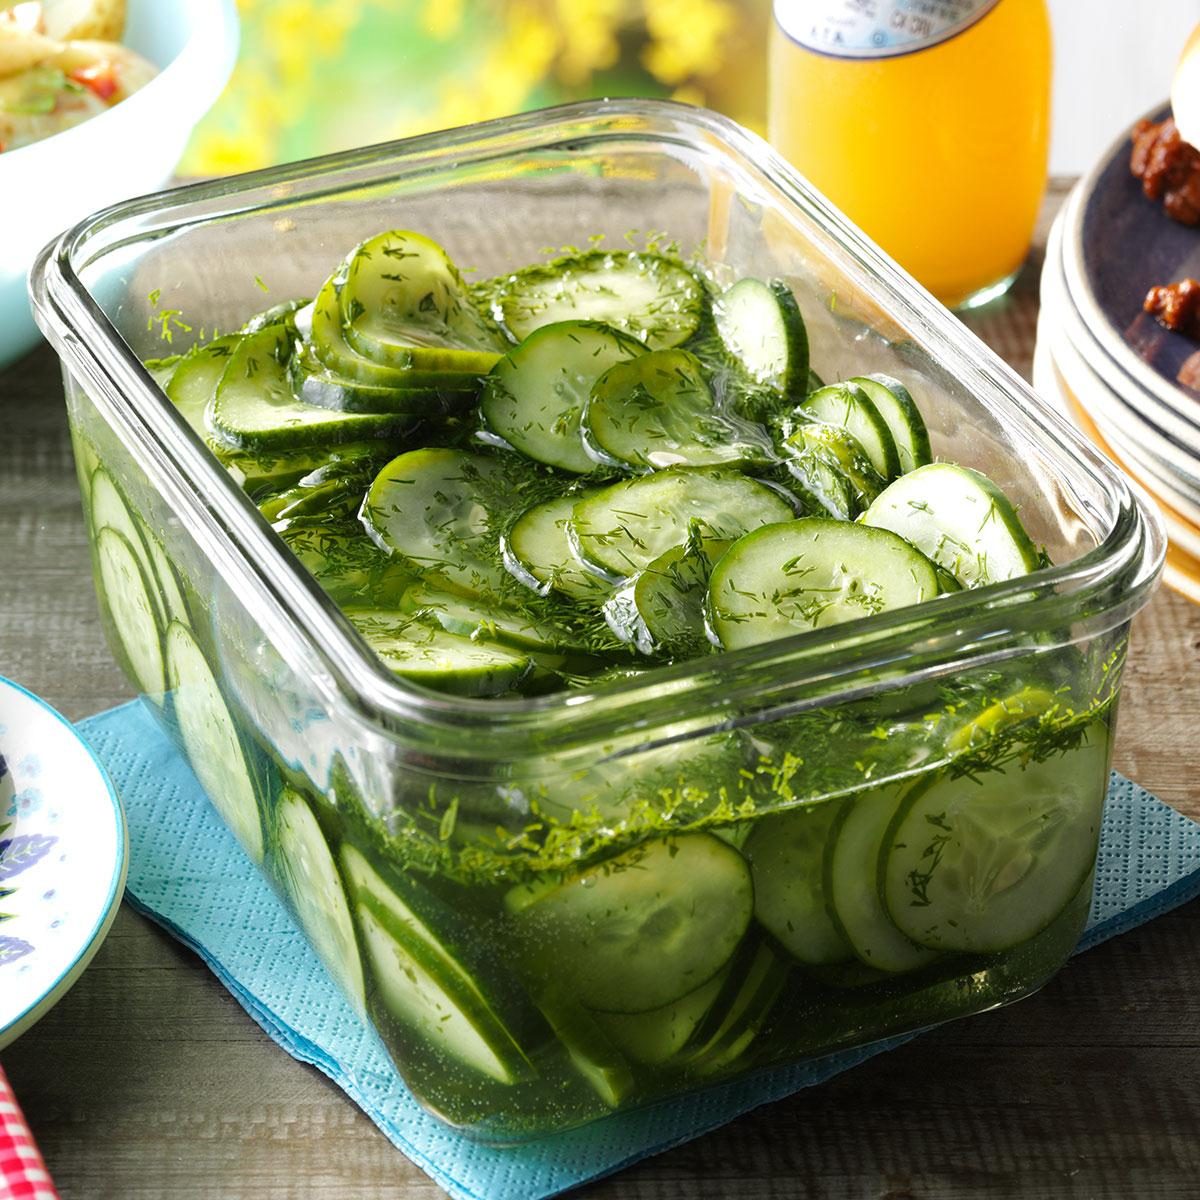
[[20, 1022], [204, 63]]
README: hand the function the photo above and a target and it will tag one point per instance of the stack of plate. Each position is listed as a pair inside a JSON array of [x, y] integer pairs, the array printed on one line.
[[1113, 369]]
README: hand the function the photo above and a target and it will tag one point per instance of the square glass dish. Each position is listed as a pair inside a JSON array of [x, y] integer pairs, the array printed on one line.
[[553, 907]]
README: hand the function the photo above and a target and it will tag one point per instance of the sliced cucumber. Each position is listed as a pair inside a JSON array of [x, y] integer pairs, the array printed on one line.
[[658, 411], [110, 511], [422, 982], [737, 1016], [1025, 705], [961, 520], [848, 407], [761, 326], [310, 878], [623, 528], [405, 304], [283, 313], [211, 739], [852, 882], [346, 562], [654, 1037], [323, 331], [592, 1052], [895, 405], [537, 550], [259, 473], [655, 300], [786, 853], [171, 598], [430, 656], [640, 930], [535, 395], [425, 394], [473, 619], [442, 510], [661, 610], [130, 599], [809, 574], [983, 863], [255, 408], [831, 466], [161, 369], [194, 382]]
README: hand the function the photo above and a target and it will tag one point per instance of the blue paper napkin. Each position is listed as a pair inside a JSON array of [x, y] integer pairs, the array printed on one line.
[[187, 873]]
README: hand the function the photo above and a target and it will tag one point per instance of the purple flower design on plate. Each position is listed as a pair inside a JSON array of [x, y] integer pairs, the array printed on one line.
[[26, 801], [12, 948], [20, 852], [30, 767]]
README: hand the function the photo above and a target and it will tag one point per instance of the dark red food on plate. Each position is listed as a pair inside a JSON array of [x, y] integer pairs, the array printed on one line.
[[1176, 306], [1169, 169]]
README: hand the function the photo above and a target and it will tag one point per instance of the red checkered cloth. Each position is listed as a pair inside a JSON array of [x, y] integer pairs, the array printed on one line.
[[23, 1175]]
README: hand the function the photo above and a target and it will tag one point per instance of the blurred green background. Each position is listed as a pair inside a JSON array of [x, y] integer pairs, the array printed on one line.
[[320, 75]]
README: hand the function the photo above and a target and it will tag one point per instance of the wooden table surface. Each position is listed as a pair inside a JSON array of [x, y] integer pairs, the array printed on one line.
[[149, 1081]]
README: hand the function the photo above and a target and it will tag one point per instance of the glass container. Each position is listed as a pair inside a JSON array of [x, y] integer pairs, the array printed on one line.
[[697, 799]]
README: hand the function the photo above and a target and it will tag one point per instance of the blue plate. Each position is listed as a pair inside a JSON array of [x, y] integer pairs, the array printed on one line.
[[63, 856]]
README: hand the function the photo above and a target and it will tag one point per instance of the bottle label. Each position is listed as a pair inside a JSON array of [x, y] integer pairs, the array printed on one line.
[[876, 28]]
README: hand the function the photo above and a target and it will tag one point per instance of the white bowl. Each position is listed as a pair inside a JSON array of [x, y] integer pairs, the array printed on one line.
[[130, 149], [63, 855]]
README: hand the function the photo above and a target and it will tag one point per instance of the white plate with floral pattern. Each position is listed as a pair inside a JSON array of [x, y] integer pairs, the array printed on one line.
[[63, 855]]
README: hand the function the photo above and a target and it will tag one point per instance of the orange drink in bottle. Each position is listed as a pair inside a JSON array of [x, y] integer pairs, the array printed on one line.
[[926, 122]]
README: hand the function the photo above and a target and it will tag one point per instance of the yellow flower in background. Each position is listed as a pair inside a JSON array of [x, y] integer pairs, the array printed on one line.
[[687, 37], [321, 75]]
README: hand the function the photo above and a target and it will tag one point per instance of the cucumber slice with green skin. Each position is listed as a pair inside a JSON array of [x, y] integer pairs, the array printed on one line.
[[662, 610], [260, 473], [211, 740], [831, 466], [171, 598], [658, 411], [737, 1016], [1025, 705], [852, 882], [423, 984], [255, 409], [346, 563], [787, 853], [961, 520], [310, 878], [537, 551], [809, 574], [535, 395], [430, 656], [896, 406], [654, 1037], [131, 603], [623, 528], [593, 1054], [283, 313], [194, 383], [848, 407], [161, 369], [405, 304], [320, 326], [649, 297], [761, 326], [442, 511], [983, 863], [470, 618], [110, 511], [425, 394], [640, 930]]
